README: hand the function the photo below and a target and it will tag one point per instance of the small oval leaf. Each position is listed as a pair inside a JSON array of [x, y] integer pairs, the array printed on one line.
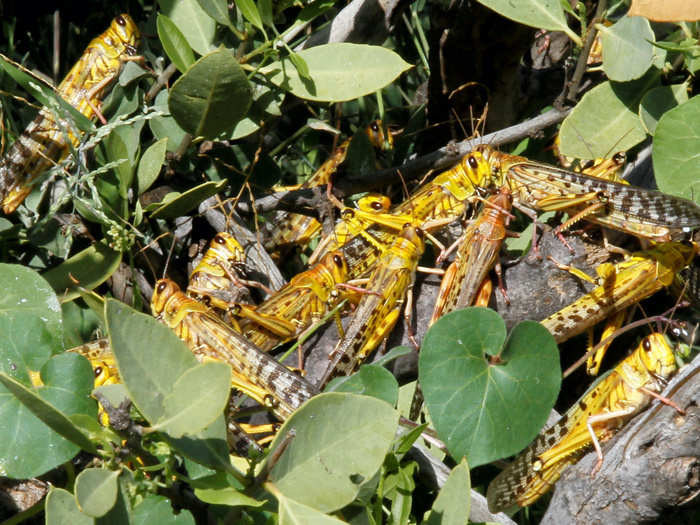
[[96, 491], [177, 205], [337, 72], [606, 120], [90, 268], [197, 26], [658, 101], [211, 96], [674, 152], [329, 429], [149, 165], [174, 43], [627, 48], [61, 508], [487, 400]]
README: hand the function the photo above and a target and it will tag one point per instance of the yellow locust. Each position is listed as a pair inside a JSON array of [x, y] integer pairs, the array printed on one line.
[[257, 374], [477, 253], [645, 213], [623, 284], [380, 305], [45, 141], [602, 410]]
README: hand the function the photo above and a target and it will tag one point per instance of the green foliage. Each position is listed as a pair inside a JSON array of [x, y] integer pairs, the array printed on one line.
[[510, 390], [249, 105]]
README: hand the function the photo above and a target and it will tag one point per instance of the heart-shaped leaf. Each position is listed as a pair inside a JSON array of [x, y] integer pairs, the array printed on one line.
[[488, 397]]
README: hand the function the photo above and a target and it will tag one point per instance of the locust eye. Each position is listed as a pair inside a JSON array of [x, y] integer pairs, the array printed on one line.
[[162, 286], [98, 371], [377, 206], [473, 164], [619, 157], [218, 239], [646, 345], [121, 21], [374, 127], [338, 260]]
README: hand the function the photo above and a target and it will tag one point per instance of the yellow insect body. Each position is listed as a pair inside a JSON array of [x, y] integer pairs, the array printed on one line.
[[381, 304], [477, 254], [46, 141], [639, 211], [603, 409], [301, 302], [257, 374], [623, 285]]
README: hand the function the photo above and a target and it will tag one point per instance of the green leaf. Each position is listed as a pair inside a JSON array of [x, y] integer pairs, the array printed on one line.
[[227, 496], [174, 43], [158, 509], [62, 509], [165, 127], [606, 120], [149, 165], [197, 26], [179, 204], [123, 144], [338, 72], [301, 66], [150, 357], [674, 152], [486, 411], [340, 442], [452, 505], [295, 513], [91, 267], [658, 101], [211, 96], [541, 14], [27, 295], [207, 447], [250, 12], [627, 48], [47, 413], [96, 491], [44, 93], [370, 380], [217, 9], [198, 397]]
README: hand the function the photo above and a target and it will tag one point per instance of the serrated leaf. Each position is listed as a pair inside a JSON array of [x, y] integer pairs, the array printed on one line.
[[198, 397], [674, 152], [370, 380], [96, 491], [338, 72], [606, 120], [174, 43], [541, 14], [484, 411], [627, 48], [150, 357], [340, 442], [90, 268], [452, 505], [211, 96], [197, 26], [62, 509], [158, 509], [179, 204], [658, 101]]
